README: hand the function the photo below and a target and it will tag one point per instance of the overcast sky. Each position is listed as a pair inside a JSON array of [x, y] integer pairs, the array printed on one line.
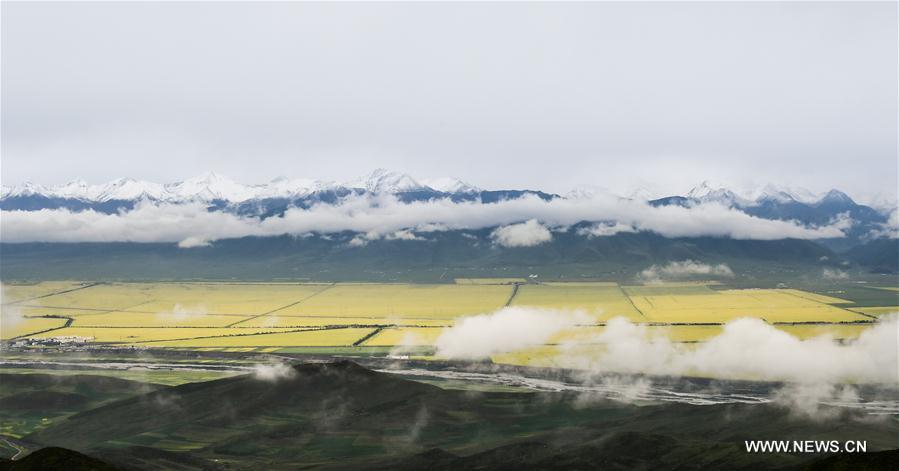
[[543, 96]]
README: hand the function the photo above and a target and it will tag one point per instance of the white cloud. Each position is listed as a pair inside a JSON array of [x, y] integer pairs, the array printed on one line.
[[404, 234], [193, 241], [829, 274], [747, 349], [181, 312], [684, 269], [605, 229], [888, 229], [10, 315], [273, 372], [526, 234], [193, 224], [506, 330]]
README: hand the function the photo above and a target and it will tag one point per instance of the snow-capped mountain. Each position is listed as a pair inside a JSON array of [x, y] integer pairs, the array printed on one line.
[[126, 189], [706, 192], [385, 181], [211, 186], [450, 185], [274, 198], [784, 195], [25, 189]]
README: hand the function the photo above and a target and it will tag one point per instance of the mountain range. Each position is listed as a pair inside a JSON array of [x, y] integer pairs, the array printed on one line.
[[212, 187], [868, 244], [274, 198]]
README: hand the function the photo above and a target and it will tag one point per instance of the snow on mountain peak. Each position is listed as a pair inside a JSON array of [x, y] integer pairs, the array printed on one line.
[[449, 185], [707, 192], [28, 189], [210, 186], [783, 195], [836, 196], [127, 189], [385, 181]]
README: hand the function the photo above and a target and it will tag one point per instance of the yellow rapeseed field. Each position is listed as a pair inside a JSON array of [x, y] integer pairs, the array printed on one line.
[[815, 297], [722, 306], [309, 338], [160, 319], [216, 315], [13, 328], [602, 301], [404, 336], [18, 292], [279, 320], [128, 335], [401, 301], [877, 311]]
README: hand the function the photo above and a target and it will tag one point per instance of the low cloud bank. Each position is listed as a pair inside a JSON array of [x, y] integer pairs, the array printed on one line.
[[526, 234], [10, 316], [273, 372], [684, 269], [746, 349], [888, 229], [506, 330], [605, 229], [193, 225]]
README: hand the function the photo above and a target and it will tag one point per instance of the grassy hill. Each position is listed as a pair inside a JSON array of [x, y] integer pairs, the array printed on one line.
[[336, 415]]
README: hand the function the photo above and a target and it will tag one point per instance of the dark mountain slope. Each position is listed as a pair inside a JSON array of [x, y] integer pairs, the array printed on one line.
[[880, 255], [437, 256], [56, 459], [340, 415]]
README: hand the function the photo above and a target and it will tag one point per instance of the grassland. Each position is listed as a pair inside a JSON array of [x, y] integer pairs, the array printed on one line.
[[272, 317], [151, 376]]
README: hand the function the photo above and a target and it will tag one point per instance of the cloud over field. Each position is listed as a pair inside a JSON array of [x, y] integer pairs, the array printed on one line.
[[748, 348], [10, 315], [193, 225], [684, 269], [181, 312], [526, 234], [506, 330]]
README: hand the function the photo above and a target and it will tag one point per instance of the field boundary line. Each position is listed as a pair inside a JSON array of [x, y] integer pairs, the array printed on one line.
[[846, 309], [292, 331], [91, 285], [626, 296], [326, 288], [68, 323], [512, 296], [368, 336]]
